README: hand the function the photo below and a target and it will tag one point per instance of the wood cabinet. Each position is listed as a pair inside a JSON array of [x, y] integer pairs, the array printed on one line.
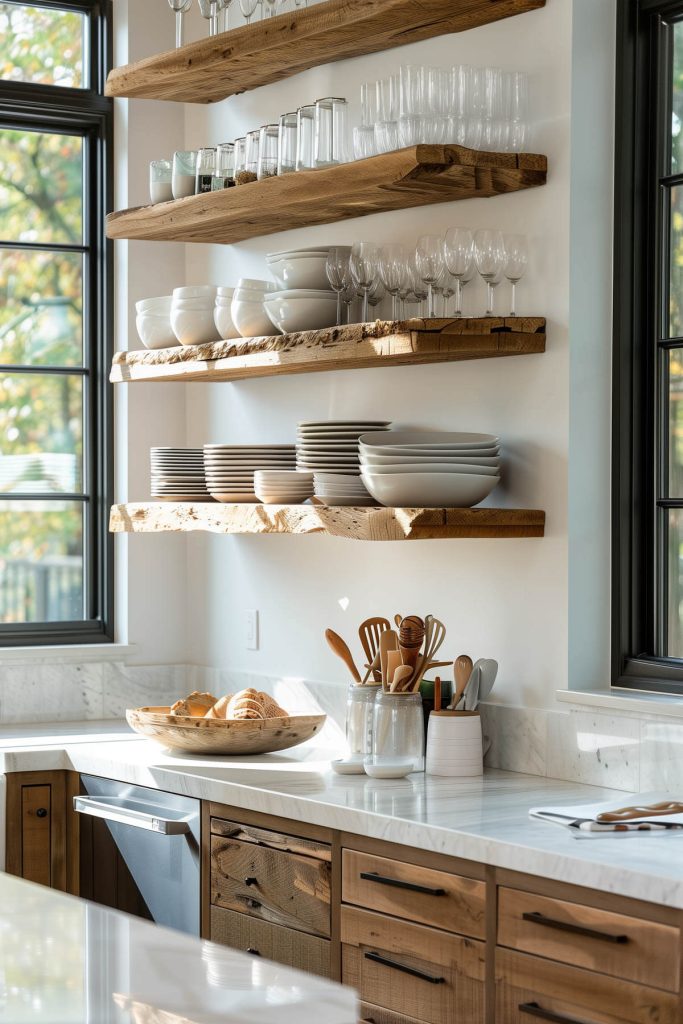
[[41, 829]]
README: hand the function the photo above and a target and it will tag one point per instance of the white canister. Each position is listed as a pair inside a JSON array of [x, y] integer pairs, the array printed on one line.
[[454, 744]]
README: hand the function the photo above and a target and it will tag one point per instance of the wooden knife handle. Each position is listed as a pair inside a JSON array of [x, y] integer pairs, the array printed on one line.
[[651, 811]]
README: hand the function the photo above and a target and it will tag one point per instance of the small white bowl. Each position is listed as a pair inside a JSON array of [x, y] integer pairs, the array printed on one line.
[[158, 305], [310, 311], [193, 326], [222, 317], [250, 318], [384, 768], [155, 331], [303, 272], [195, 291]]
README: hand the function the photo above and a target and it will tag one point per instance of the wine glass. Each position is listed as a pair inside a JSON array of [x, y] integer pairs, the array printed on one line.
[[247, 8], [363, 266], [392, 271], [490, 257], [429, 262], [209, 10], [223, 15], [337, 270], [469, 275], [517, 254], [376, 293], [458, 254], [180, 7], [349, 293]]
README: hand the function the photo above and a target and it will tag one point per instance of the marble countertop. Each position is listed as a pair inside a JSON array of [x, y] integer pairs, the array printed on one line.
[[483, 819], [66, 961]]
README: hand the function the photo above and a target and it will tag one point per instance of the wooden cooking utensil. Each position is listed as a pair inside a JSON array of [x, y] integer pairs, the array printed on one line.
[[401, 680], [410, 638], [462, 670], [398, 619], [437, 694], [393, 662], [388, 641], [369, 632], [373, 666], [435, 634], [648, 811], [342, 651]]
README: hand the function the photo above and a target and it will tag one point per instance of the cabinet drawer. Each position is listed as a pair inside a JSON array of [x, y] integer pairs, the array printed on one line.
[[411, 970], [436, 898], [274, 840], [614, 944], [295, 949], [531, 990], [370, 1014], [271, 885]]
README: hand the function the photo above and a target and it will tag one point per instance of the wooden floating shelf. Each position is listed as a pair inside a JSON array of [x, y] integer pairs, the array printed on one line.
[[357, 346], [280, 47], [375, 523], [416, 176]]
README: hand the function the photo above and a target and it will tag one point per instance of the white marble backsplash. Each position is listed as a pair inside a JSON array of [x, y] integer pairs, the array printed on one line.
[[628, 750]]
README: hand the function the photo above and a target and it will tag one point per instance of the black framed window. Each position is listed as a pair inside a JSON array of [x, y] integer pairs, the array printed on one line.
[[56, 474]]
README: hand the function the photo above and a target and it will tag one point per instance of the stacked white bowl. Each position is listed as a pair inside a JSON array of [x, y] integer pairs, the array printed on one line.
[[153, 322], [222, 314], [303, 300], [283, 487], [421, 469], [247, 308], [192, 314]]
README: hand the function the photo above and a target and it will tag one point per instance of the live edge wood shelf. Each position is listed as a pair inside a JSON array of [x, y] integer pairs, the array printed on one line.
[[415, 176], [270, 50], [351, 523], [381, 343]]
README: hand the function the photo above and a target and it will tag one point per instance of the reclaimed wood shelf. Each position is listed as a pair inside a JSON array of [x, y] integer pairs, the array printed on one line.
[[376, 523], [276, 48], [356, 346], [415, 176]]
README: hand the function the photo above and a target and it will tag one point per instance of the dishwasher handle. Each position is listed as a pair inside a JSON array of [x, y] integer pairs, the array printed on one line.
[[115, 810]]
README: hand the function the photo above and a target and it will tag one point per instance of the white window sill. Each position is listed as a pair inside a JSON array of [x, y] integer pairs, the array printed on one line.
[[74, 653], [616, 699]]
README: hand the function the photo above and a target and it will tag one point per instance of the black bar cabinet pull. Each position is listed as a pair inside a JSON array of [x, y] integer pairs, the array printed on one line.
[[534, 1010], [372, 876], [576, 929], [377, 959]]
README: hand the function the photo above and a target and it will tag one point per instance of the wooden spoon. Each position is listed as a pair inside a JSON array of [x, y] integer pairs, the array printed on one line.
[[342, 651], [435, 634], [388, 641], [369, 632], [401, 678], [462, 670], [393, 662]]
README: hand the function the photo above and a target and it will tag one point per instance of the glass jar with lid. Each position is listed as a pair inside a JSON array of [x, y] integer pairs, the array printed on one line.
[[398, 731], [267, 153], [206, 162]]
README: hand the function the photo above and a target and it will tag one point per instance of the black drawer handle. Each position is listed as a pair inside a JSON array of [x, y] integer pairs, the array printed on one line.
[[254, 952], [251, 881], [41, 812], [575, 929], [534, 1010], [377, 959], [372, 876]]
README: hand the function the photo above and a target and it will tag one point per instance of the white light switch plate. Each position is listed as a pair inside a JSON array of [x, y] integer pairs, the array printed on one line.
[[252, 629]]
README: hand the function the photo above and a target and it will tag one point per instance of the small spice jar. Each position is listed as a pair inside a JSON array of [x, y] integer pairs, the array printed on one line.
[[305, 117], [267, 152], [224, 169], [206, 162], [286, 152], [251, 148]]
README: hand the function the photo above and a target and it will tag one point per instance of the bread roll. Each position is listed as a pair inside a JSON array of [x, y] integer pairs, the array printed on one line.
[[220, 708], [194, 706]]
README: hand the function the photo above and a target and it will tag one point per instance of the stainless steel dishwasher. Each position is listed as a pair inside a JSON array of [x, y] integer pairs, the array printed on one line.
[[150, 845]]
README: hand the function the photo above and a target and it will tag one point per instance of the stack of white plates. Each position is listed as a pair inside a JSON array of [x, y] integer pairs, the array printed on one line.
[[230, 468], [417, 469], [341, 489], [178, 474], [283, 486], [331, 446]]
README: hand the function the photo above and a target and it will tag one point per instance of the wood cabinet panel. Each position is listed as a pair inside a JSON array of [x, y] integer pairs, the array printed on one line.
[[371, 1014], [274, 886], [409, 969], [572, 933], [285, 946], [36, 829], [527, 987], [274, 840], [418, 894]]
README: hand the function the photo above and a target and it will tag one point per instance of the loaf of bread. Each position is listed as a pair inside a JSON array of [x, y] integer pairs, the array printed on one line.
[[194, 706], [249, 704]]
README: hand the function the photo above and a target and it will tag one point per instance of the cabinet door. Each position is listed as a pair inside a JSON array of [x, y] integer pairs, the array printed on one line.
[[37, 828]]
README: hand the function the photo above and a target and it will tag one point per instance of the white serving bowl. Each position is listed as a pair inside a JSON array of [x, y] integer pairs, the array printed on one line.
[[195, 291], [250, 318], [222, 317], [155, 331], [193, 326], [301, 272], [161, 304], [429, 490], [397, 457], [426, 466], [298, 253], [430, 439], [302, 310]]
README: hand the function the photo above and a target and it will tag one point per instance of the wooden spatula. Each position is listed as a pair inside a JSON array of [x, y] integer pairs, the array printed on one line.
[[388, 641], [369, 632]]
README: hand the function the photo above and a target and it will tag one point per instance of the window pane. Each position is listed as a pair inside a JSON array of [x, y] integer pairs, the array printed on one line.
[[675, 488], [41, 561], [41, 187], [675, 329], [41, 432], [41, 308], [41, 46], [677, 101]]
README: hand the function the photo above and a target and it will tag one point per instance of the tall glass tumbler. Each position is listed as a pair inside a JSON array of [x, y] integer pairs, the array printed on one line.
[[322, 133], [305, 118], [224, 170], [340, 131], [267, 154], [286, 156], [184, 173]]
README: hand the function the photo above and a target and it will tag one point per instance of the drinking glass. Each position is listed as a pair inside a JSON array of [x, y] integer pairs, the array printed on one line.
[[368, 104], [519, 110], [517, 257], [458, 254], [418, 290], [286, 159], [429, 263], [340, 130], [251, 151], [180, 7], [223, 10], [206, 163], [247, 8], [183, 176], [458, 103], [209, 10], [267, 151], [490, 258], [476, 107], [388, 106], [435, 90], [392, 271], [240, 159], [363, 267], [304, 137], [376, 293], [411, 117], [465, 280], [337, 270], [348, 295], [160, 181], [224, 170], [363, 141], [323, 131]]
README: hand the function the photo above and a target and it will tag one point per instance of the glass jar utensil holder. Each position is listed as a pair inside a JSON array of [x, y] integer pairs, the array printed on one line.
[[360, 701], [398, 730], [160, 181]]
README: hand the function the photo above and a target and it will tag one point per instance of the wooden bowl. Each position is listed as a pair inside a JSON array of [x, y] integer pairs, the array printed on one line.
[[216, 736]]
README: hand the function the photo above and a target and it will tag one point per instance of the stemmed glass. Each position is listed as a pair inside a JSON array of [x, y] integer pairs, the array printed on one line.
[[337, 270], [490, 257], [429, 262], [464, 281], [517, 254], [376, 293], [458, 253], [223, 12], [392, 271], [363, 266], [247, 8], [348, 295], [180, 7], [209, 9]]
